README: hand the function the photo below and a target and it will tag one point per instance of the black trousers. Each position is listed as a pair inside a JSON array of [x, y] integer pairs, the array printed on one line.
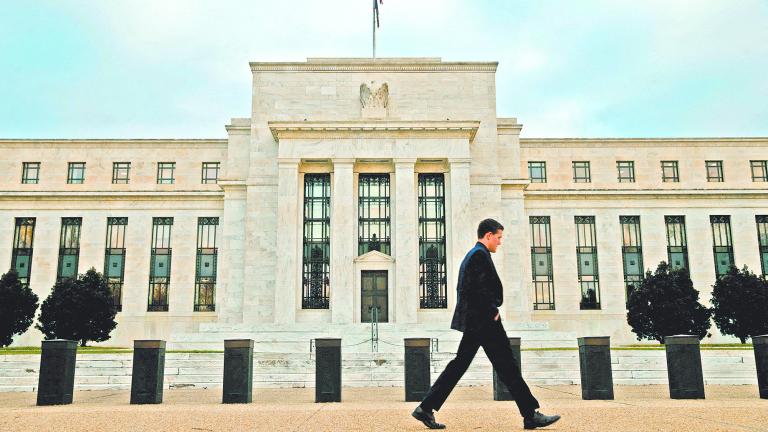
[[495, 343]]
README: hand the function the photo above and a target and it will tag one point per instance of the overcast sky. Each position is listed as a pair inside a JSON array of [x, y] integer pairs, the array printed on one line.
[[179, 68]]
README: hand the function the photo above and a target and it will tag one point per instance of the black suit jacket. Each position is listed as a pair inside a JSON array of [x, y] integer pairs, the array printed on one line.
[[478, 292]]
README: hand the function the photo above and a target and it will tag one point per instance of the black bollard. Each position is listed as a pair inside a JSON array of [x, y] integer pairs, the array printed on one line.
[[417, 363], [760, 344], [328, 370], [500, 390], [148, 372], [686, 380], [56, 381], [238, 371], [595, 367]]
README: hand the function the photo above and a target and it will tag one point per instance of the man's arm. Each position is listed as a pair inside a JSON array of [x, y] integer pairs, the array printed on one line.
[[485, 284]]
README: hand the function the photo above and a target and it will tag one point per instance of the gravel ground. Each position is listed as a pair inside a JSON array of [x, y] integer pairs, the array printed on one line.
[[636, 408]]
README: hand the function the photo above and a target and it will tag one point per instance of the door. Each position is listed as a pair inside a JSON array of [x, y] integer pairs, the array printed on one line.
[[373, 284]]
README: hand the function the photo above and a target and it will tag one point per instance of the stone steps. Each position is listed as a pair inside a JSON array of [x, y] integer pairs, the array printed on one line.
[[359, 369], [355, 337]]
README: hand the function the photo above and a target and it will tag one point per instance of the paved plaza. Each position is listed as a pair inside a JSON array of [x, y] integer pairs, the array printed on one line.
[[636, 408]]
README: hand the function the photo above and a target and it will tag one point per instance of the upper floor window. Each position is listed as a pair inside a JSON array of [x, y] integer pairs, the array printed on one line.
[[581, 172], [537, 171], [30, 172], [714, 171], [626, 171], [121, 172], [210, 172], [759, 170], [373, 213], [165, 172], [669, 172], [432, 259], [76, 173]]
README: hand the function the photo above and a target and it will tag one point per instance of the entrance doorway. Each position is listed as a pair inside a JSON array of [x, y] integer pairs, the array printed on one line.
[[374, 292]]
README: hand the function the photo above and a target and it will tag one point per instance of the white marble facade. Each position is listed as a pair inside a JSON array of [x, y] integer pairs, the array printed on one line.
[[317, 117]]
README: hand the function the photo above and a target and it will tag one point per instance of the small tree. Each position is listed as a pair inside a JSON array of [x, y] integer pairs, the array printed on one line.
[[79, 309], [18, 305], [666, 304], [740, 304]]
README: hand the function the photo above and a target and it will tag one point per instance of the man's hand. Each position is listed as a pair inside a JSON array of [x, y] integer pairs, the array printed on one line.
[[496, 318]]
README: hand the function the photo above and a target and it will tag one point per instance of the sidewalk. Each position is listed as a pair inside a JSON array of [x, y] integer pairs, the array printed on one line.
[[636, 408]]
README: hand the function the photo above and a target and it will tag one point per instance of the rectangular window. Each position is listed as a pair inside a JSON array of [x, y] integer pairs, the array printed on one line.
[[537, 171], [626, 170], [30, 172], [165, 172], [432, 272], [762, 239], [722, 243], [677, 242], [76, 173], [586, 257], [759, 170], [114, 258], [121, 172], [541, 263], [316, 258], [373, 213], [205, 265], [669, 172], [631, 252], [715, 171], [21, 250], [160, 264], [581, 172], [210, 172], [69, 248]]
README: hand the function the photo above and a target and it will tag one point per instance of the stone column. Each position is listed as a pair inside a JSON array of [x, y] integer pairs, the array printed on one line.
[[462, 234], [229, 293], [406, 242], [288, 288], [343, 238], [516, 271]]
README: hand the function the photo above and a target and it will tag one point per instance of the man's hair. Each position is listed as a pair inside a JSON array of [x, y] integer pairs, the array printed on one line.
[[488, 225]]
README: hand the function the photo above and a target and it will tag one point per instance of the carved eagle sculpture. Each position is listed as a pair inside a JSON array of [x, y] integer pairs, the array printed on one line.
[[374, 99]]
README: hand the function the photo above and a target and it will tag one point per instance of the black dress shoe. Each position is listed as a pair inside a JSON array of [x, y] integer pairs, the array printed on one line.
[[538, 420], [427, 418]]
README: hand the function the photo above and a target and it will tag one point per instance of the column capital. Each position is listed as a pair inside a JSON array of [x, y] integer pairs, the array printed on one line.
[[343, 161], [453, 161], [288, 162], [404, 161]]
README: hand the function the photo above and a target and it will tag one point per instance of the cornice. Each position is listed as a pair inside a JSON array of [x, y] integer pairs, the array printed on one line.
[[571, 194], [374, 65], [644, 142], [113, 143], [112, 195], [374, 129]]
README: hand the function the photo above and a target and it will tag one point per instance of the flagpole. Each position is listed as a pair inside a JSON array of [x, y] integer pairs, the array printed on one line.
[[373, 14]]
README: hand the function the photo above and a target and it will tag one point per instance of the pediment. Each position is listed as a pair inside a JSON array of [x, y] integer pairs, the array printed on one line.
[[374, 256]]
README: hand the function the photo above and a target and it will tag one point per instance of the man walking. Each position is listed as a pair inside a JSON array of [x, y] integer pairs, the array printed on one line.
[[479, 294]]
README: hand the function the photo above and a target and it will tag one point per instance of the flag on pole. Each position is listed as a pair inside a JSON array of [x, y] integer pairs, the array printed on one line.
[[376, 10]]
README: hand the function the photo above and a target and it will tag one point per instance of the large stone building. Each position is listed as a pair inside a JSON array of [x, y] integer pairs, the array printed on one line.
[[356, 183]]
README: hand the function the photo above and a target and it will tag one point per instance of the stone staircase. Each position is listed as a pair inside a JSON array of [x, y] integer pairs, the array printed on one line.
[[296, 338], [360, 369]]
